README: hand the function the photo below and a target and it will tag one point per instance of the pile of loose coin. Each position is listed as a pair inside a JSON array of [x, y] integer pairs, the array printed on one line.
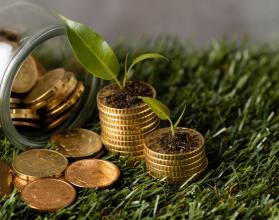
[[176, 167], [45, 178], [123, 130]]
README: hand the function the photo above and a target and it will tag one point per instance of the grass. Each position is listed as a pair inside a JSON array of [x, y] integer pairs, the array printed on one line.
[[232, 98]]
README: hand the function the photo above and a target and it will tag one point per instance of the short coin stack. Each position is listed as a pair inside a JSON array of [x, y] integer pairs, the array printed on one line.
[[176, 167], [123, 130]]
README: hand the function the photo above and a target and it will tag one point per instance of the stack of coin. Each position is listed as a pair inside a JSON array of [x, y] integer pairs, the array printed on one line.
[[176, 167], [123, 130]]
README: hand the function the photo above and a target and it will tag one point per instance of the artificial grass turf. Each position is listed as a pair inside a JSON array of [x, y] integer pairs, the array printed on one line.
[[232, 98]]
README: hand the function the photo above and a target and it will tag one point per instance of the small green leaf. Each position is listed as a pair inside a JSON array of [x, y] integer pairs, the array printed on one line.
[[92, 51], [159, 108], [145, 57], [180, 117]]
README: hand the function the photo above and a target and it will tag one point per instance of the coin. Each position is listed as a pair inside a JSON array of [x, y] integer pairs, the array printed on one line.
[[92, 173], [26, 77], [78, 142], [177, 173], [122, 148], [25, 124], [125, 153], [141, 136], [152, 139], [108, 90], [175, 162], [179, 168], [53, 123], [15, 101], [24, 114], [6, 179], [39, 163], [70, 102], [128, 122], [14, 106], [121, 143], [69, 87], [19, 183], [46, 86], [135, 126], [134, 131], [125, 116], [48, 194], [37, 105]]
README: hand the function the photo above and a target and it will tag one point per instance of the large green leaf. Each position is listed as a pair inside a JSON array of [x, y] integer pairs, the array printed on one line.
[[92, 51], [159, 108]]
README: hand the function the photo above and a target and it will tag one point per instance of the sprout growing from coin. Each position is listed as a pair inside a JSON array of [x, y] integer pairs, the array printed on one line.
[[162, 111], [95, 54]]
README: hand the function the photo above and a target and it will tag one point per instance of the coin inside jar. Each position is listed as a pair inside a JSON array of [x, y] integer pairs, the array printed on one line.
[[48, 194], [39, 163], [45, 86], [77, 142], [92, 173], [6, 179], [26, 77]]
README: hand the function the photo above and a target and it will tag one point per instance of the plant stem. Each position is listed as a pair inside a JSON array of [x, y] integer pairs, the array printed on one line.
[[172, 127], [118, 83]]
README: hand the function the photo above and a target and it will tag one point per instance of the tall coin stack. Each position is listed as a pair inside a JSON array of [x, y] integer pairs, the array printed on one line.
[[176, 167], [123, 130]]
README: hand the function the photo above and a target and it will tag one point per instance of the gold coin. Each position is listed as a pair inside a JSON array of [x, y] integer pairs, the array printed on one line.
[[177, 174], [125, 153], [6, 179], [37, 105], [39, 163], [24, 114], [131, 131], [178, 179], [121, 143], [68, 89], [26, 77], [126, 137], [14, 106], [92, 173], [128, 122], [175, 162], [125, 116], [54, 123], [153, 140], [78, 142], [19, 183], [123, 148], [70, 102], [135, 126], [46, 86], [15, 101], [178, 168], [25, 124], [108, 90], [48, 194]]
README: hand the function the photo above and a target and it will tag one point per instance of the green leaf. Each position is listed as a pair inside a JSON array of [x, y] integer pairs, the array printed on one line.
[[91, 50], [159, 108], [145, 57], [180, 117]]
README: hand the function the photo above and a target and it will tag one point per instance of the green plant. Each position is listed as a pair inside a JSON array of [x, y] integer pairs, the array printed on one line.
[[162, 111], [95, 54]]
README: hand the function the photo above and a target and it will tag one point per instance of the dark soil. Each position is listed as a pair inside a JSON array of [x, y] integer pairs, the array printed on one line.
[[127, 97], [179, 143]]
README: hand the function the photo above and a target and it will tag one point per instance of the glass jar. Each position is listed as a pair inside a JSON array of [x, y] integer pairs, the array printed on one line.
[[42, 34]]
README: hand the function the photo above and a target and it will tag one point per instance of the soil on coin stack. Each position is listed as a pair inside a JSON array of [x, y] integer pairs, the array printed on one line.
[[181, 142], [127, 97]]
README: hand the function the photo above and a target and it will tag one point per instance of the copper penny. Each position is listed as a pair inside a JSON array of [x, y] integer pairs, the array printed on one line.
[[48, 194], [26, 77], [39, 163], [92, 173], [6, 179], [19, 183], [78, 142]]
